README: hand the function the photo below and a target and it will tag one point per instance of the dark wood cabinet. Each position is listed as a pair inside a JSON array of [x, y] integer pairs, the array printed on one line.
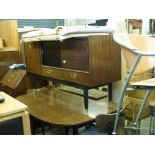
[[89, 61]]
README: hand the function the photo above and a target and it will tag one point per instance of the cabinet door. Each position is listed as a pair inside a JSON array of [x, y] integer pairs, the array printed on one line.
[[32, 57], [74, 54]]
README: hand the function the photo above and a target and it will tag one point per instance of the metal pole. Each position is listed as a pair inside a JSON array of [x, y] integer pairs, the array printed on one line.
[[124, 90]]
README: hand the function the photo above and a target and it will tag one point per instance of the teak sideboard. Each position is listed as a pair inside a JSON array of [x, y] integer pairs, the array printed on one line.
[[85, 62]]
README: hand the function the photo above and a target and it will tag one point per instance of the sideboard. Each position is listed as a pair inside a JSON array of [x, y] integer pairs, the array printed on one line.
[[85, 62]]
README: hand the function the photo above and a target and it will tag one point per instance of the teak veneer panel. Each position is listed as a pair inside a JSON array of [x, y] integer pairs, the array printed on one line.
[[33, 57], [104, 60]]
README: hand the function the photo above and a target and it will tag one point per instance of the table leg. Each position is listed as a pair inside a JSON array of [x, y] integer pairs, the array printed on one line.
[[34, 81], [26, 123], [85, 90], [75, 130], [110, 91], [43, 128], [67, 130]]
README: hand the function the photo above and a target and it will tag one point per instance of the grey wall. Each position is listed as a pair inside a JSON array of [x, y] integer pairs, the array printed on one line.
[[40, 23]]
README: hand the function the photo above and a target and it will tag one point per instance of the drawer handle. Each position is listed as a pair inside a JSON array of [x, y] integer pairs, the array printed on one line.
[[49, 71], [73, 75]]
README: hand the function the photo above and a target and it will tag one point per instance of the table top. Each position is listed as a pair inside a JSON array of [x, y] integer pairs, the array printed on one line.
[[62, 108], [10, 105], [145, 83]]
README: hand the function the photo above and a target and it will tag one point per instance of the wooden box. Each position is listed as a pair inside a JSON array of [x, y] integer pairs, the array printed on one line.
[[15, 82]]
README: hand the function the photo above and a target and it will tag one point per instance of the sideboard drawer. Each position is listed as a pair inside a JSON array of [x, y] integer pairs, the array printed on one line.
[[66, 75], [77, 77]]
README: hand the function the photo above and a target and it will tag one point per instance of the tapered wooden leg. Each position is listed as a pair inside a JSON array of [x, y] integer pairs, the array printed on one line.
[[26, 123]]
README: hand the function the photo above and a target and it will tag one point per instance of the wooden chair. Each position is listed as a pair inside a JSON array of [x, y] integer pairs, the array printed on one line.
[[134, 24], [139, 52], [105, 123]]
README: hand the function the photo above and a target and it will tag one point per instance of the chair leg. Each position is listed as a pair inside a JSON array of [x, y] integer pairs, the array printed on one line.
[[153, 127], [150, 128], [152, 120], [123, 92], [142, 106], [117, 117]]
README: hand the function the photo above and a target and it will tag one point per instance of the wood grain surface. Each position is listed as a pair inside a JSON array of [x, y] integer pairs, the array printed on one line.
[[62, 108]]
